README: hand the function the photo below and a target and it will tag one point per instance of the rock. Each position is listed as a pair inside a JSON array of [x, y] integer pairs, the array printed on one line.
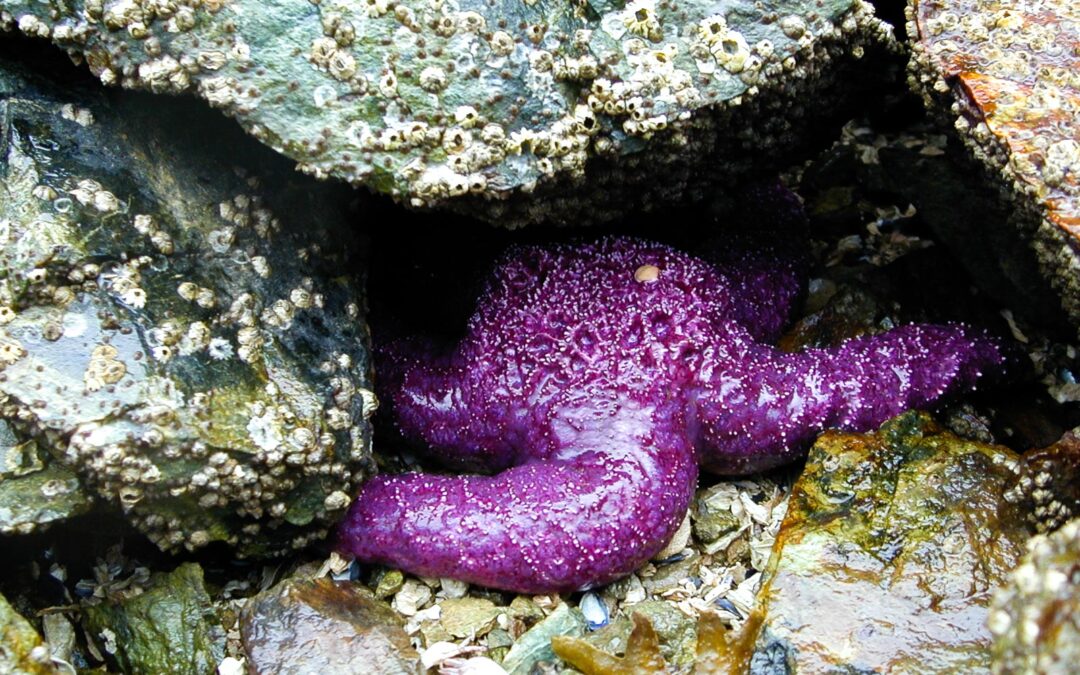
[[849, 312], [714, 524], [318, 625], [967, 217], [60, 635], [1005, 74], [888, 554], [389, 584], [627, 104], [1036, 616], [413, 596], [173, 326], [21, 648], [170, 627], [35, 490], [716, 651], [671, 574], [534, 646], [675, 630], [468, 617], [612, 638], [1047, 486], [525, 609]]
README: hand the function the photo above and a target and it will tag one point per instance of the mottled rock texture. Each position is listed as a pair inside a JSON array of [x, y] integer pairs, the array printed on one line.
[[174, 327], [168, 627], [317, 625]]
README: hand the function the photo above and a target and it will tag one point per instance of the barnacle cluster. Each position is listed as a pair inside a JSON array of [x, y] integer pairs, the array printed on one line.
[[1046, 483], [172, 326], [1036, 617], [1007, 75], [471, 103]]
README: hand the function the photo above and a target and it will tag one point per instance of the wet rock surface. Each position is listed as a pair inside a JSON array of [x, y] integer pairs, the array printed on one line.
[[1036, 616], [892, 546], [167, 626], [35, 490], [592, 108], [318, 625], [21, 648], [173, 327], [535, 645], [1010, 70]]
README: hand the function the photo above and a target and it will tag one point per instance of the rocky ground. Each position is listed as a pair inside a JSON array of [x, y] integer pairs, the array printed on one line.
[[905, 548]]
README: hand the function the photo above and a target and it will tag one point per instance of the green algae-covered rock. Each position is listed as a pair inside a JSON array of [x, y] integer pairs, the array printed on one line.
[[180, 317], [21, 650], [321, 626], [1036, 616], [892, 546], [431, 101], [170, 627], [35, 490]]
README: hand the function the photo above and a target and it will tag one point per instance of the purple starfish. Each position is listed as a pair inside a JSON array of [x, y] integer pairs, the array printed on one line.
[[593, 380]]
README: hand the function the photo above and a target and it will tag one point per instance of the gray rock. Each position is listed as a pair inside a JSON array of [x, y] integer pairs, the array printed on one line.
[[21, 650], [1012, 95], [534, 646], [35, 490], [174, 327], [627, 104]]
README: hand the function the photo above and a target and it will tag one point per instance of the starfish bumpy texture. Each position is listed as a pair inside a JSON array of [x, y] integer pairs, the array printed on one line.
[[594, 379]]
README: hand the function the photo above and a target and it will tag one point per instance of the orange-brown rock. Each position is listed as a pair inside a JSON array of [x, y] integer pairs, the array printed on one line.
[[1008, 74]]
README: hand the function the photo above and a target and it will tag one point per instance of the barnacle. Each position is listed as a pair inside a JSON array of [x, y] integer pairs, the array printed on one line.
[[1034, 617]]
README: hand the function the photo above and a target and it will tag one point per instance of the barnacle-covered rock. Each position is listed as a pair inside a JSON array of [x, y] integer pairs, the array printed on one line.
[[1047, 484], [1036, 617], [891, 546], [175, 325], [35, 490], [1008, 75], [433, 101]]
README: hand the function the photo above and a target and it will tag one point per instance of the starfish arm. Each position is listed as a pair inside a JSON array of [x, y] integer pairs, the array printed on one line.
[[766, 409], [437, 403], [586, 516], [763, 267]]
